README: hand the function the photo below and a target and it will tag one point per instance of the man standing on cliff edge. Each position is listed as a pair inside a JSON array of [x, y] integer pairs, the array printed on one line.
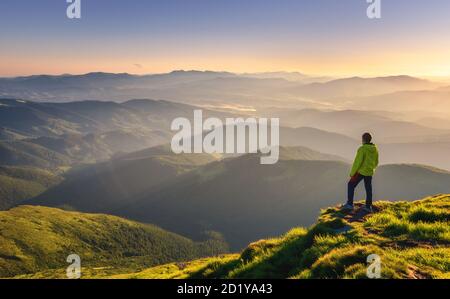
[[363, 169]]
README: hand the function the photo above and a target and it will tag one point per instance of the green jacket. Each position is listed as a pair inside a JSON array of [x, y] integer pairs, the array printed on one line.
[[366, 160]]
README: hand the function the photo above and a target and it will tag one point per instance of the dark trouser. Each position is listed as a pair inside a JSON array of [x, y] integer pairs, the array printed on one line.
[[352, 186]]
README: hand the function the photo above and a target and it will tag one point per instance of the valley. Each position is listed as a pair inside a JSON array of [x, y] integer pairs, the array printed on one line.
[[72, 168]]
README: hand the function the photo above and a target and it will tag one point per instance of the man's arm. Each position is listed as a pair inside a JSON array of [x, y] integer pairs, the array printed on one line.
[[377, 162], [358, 162]]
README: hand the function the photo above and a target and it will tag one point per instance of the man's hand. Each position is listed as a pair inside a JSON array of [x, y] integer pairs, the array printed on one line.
[[354, 178]]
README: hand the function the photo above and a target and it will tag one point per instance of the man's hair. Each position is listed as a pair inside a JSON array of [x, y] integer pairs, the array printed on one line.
[[367, 138]]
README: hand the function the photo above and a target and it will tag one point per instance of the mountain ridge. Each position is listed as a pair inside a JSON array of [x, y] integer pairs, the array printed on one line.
[[203, 84], [410, 238], [338, 246]]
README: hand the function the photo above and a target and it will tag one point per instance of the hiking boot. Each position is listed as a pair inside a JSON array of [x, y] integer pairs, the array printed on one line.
[[367, 209], [347, 207]]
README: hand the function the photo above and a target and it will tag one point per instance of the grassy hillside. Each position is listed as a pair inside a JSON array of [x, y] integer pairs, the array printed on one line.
[[412, 239], [20, 183], [34, 239]]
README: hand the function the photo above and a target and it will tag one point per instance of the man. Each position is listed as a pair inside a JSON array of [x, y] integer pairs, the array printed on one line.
[[363, 169]]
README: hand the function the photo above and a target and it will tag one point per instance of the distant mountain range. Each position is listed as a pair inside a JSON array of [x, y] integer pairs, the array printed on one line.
[[432, 152], [406, 101], [54, 119], [357, 86], [256, 90], [386, 127], [53, 135], [50, 135], [290, 76]]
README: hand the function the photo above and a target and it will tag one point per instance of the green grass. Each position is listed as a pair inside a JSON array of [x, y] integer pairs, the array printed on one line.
[[412, 239], [426, 221], [20, 183], [37, 240]]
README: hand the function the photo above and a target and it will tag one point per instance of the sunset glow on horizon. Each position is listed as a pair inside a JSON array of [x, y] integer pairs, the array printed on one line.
[[321, 37]]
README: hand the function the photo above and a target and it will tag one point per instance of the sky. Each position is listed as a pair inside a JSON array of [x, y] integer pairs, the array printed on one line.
[[321, 37]]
